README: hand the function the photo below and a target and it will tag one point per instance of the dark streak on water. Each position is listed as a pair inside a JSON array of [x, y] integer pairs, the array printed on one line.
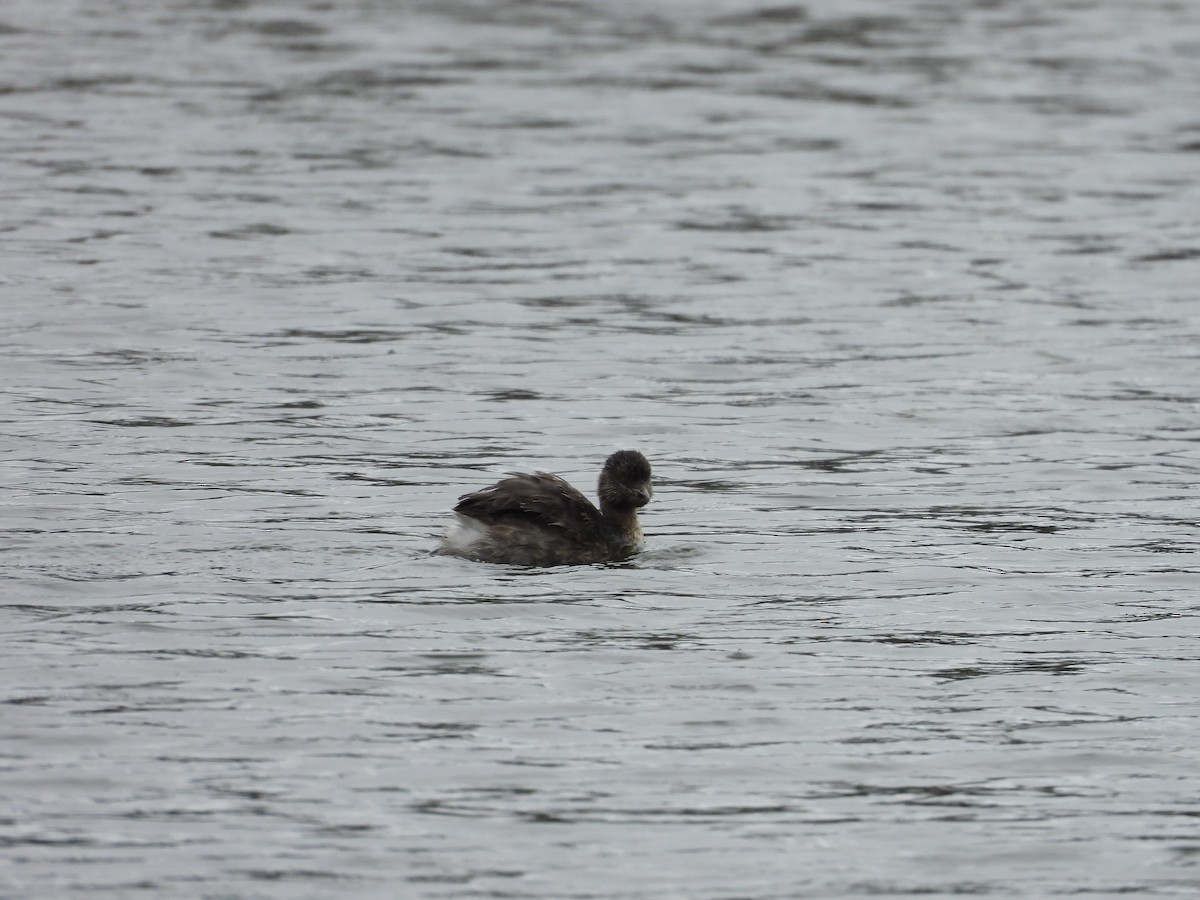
[[900, 298]]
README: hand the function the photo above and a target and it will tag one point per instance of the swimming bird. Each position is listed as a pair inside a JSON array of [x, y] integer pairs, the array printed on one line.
[[541, 520]]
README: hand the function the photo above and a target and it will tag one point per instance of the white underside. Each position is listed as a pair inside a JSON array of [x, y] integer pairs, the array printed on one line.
[[464, 533]]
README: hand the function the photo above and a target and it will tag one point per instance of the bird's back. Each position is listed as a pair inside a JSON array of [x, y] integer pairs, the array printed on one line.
[[529, 520]]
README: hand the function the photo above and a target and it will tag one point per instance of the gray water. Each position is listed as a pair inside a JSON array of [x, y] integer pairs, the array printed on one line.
[[899, 298]]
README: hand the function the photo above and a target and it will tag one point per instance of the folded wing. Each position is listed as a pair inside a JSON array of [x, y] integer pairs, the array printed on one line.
[[540, 499]]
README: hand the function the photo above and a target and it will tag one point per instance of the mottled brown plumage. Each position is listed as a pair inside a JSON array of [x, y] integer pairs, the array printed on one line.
[[541, 520]]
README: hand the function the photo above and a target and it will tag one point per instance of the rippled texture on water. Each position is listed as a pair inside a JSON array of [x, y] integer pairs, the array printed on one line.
[[899, 298]]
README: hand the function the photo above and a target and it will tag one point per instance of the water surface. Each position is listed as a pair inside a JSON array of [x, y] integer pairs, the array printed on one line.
[[899, 298]]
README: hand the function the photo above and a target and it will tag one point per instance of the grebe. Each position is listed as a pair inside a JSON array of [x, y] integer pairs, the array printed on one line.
[[540, 520]]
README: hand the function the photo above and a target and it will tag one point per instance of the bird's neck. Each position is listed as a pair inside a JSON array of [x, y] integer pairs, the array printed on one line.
[[623, 520]]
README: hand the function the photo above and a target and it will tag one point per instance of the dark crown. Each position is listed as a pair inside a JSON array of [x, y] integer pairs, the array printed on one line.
[[628, 467]]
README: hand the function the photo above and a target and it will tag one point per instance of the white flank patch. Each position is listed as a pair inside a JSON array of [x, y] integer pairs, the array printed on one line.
[[464, 533]]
